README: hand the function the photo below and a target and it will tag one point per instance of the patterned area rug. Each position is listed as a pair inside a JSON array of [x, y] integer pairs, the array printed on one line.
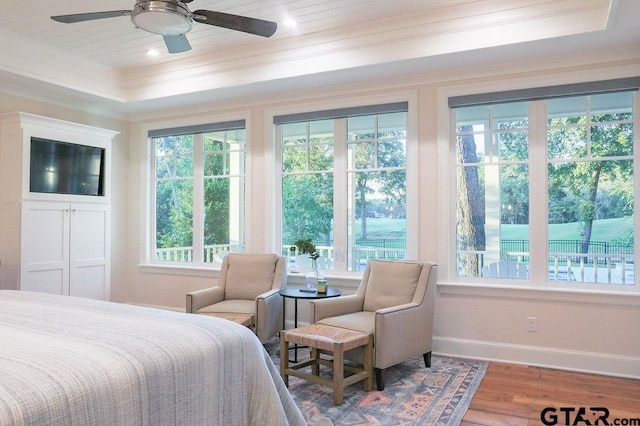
[[413, 394]]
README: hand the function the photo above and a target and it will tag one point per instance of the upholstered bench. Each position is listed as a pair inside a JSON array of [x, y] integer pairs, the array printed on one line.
[[327, 339]]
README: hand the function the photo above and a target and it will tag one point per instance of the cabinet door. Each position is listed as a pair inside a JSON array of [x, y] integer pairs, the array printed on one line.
[[44, 253], [89, 251]]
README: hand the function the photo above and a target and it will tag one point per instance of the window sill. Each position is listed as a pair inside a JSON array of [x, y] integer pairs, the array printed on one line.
[[184, 270], [627, 298], [342, 280]]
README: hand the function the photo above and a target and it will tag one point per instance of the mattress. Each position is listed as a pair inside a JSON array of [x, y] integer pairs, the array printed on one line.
[[74, 361]]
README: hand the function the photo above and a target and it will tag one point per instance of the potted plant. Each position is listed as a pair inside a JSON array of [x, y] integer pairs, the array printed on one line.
[[307, 247]]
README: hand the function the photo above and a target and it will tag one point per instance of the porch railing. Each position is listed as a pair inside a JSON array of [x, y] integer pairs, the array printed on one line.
[[606, 268], [578, 267], [215, 253], [212, 253], [359, 257]]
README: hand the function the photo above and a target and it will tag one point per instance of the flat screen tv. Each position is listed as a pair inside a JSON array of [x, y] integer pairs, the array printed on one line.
[[64, 168]]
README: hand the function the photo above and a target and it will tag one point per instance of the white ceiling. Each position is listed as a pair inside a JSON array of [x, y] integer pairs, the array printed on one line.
[[103, 62]]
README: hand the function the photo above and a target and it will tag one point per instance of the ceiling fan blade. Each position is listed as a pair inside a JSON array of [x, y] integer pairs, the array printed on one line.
[[81, 17], [236, 22], [177, 43]]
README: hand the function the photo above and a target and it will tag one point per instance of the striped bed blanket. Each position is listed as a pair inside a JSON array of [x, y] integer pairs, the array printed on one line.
[[74, 361]]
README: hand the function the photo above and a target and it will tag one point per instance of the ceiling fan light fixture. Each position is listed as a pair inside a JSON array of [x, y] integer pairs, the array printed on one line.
[[172, 19], [162, 17]]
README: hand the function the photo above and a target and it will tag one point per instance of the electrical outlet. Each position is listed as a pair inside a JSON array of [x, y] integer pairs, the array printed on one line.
[[532, 324]]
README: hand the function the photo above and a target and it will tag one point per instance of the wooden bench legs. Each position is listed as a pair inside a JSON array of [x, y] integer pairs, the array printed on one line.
[[338, 382]]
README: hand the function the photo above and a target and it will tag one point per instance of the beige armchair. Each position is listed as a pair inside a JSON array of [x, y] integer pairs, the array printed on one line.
[[394, 302], [248, 284]]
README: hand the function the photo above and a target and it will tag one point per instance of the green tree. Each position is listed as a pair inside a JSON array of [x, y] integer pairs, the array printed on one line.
[[514, 178], [307, 189], [470, 205], [307, 207], [174, 191], [391, 154], [218, 186], [583, 178], [217, 211]]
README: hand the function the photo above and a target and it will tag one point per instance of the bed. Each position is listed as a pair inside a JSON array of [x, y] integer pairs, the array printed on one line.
[[74, 361]]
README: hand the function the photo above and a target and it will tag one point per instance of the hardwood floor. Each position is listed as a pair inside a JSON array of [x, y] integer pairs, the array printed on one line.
[[516, 395]]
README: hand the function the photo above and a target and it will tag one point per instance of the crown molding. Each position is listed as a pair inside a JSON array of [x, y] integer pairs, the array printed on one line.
[[450, 29]]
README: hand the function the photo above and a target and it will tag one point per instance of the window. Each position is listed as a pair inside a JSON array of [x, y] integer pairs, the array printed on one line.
[[343, 181], [199, 192], [492, 180], [574, 156], [590, 188]]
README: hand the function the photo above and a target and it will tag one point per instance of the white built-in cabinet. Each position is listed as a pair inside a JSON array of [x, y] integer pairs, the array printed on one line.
[[52, 243], [65, 248]]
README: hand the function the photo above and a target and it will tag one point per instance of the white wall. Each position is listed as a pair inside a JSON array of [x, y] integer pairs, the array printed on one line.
[[593, 334], [588, 333]]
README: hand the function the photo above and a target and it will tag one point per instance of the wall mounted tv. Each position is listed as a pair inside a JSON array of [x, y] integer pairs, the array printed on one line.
[[65, 168]]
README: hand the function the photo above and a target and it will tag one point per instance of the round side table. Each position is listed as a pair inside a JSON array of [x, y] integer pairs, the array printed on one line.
[[297, 293]]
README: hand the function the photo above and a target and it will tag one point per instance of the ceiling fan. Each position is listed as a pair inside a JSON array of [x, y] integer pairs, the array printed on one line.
[[172, 19]]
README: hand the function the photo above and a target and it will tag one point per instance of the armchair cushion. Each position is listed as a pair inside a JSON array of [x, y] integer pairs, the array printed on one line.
[[249, 276], [391, 284], [361, 321]]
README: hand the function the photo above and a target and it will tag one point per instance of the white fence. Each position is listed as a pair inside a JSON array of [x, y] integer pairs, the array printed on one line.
[[215, 253], [577, 267], [212, 253]]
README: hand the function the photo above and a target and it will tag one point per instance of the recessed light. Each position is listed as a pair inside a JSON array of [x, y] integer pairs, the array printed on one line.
[[153, 52], [289, 22]]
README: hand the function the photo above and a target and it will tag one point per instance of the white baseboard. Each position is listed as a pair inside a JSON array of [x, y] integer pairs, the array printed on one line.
[[587, 362]]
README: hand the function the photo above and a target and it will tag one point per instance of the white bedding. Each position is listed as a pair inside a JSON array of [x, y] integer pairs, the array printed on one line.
[[72, 361]]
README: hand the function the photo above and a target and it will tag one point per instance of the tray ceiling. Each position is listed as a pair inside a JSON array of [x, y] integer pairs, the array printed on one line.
[[333, 39]]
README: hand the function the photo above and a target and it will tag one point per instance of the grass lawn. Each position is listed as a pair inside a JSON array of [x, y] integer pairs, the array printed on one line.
[[608, 230], [383, 228]]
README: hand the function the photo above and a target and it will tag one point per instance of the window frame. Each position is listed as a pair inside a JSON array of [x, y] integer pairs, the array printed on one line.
[[148, 263], [342, 275], [537, 286]]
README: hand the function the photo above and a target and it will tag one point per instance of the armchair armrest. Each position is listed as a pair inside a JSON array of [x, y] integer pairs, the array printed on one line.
[[396, 309], [324, 308], [270, 293], [268, 315], [200, 298], [402, 332]]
